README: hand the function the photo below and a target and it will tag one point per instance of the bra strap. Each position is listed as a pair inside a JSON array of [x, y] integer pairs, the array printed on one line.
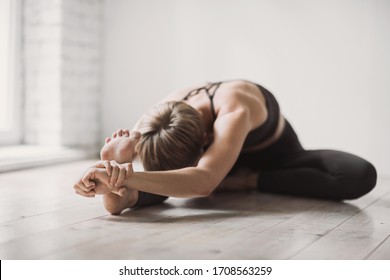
[[211, 96]]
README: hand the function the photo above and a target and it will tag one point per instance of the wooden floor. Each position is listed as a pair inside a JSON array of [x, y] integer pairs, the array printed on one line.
[[42, 218]]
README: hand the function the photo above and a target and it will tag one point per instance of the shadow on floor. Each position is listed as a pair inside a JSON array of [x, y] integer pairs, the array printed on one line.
[[227, 205]]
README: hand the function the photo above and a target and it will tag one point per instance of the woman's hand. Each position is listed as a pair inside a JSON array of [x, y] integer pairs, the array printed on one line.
[[118, 174], [94, 181]]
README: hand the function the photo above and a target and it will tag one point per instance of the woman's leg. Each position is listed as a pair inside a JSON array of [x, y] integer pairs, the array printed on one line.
[[323, 174], [146, 199], [286, 168]]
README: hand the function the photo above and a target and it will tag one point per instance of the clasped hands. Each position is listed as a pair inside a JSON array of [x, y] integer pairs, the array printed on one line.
[[104, 177]]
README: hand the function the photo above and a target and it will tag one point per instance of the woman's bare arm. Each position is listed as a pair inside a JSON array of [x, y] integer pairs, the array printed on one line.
[[230, 131]]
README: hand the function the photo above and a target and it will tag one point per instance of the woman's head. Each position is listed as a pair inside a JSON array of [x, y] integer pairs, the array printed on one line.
[[172, 136]]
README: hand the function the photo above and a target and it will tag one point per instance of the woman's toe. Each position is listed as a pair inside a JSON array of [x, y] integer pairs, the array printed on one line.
[[108, 139], [120, 132], [136, 135], [126, 133]]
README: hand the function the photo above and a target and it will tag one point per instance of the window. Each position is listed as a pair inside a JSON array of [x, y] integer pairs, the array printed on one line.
[[10, 120]]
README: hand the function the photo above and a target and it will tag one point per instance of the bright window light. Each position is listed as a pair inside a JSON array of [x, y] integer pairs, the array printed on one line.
[[4, 48], [9, 86]]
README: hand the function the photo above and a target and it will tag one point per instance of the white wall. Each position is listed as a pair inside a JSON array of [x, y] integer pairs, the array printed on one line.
[[327, 62], [61, 59]]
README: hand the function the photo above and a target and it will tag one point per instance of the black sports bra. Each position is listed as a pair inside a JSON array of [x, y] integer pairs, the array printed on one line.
[[258, 135], [206, 89]]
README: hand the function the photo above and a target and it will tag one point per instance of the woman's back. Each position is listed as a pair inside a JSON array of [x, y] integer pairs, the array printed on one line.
[[214, 100]]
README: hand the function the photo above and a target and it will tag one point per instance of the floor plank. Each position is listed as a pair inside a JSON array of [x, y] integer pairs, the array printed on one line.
[[42, 218], [355, 238], [382, 252]]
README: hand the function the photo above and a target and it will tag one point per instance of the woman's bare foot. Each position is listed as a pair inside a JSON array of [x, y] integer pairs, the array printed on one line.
[[120, 146], [115, 204]]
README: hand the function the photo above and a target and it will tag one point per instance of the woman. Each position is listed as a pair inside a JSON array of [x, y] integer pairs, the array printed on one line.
[[219, 136]]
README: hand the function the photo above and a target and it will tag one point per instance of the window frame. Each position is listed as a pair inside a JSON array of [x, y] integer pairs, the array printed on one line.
[[12, 133]]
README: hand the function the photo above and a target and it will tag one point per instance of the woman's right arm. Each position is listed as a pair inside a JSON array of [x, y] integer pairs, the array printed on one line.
[[230, 131]]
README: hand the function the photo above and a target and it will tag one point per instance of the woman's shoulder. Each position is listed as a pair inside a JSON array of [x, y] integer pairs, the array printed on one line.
[[241, 95], [231, 92], [241, 86], [239, 92]]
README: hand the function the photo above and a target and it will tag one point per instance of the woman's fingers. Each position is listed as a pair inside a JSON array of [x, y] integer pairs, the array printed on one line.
[[88, 180], [129, 170], [120, 173], [104, 164], [114, 174], [80, 185], [85, 183], [87, 193], [121, 177], [117, 174], [125, 170], [122, 191]]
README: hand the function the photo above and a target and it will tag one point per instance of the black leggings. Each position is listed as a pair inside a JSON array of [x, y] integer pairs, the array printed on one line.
[[286, 168]]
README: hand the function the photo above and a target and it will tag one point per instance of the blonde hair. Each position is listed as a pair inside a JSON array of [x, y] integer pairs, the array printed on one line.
[[171, 136]]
